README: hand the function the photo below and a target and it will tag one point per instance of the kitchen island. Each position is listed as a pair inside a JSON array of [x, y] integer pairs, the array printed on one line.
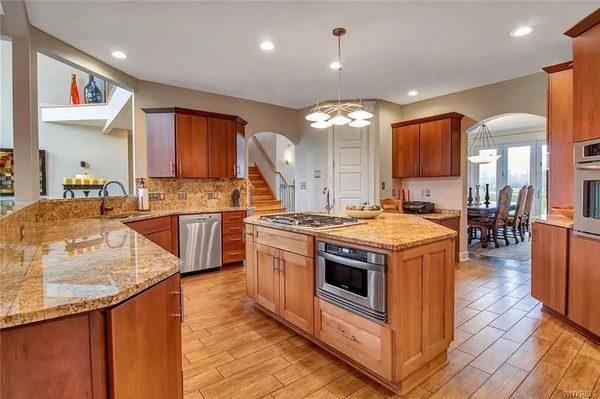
[[394, 321]]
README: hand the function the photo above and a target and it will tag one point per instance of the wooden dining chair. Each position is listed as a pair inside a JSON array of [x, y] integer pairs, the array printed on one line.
[[491, 225], [526, 218], [514, 218]]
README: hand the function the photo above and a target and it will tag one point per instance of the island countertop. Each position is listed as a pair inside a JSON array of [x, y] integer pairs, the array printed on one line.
[[391, 231], [71, 266]]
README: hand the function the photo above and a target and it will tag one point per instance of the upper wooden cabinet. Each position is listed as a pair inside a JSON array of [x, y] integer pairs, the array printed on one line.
[[427, 147], [586, 79], [560, 134], [194, 144]]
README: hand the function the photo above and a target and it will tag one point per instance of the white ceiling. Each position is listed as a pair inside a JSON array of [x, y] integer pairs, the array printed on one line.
[[390, 48], [511, 123]]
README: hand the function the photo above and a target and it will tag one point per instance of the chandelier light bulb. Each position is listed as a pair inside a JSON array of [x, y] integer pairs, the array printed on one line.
[[359, 123], [360, 114], [340, 120], [317, 116], [321, 124]]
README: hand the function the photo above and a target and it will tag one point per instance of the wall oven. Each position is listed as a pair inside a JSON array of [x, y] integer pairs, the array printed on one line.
[[586, 219], [352, 278]]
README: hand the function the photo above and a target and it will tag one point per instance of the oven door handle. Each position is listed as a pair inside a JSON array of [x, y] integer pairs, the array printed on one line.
[[351, 262], [586, 235], [594, 166]]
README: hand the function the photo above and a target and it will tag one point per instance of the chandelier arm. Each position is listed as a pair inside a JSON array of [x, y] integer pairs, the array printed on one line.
[[474, 141], [339, 69]]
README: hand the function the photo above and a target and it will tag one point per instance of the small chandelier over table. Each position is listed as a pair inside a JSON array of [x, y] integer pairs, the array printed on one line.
[[483, 139], [339, 113]]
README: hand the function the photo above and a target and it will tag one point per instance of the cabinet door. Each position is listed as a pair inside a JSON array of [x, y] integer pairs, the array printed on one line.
[[296, 287], [560, 138], [160, 132], [249, 263], [240, 138], [435, 144], [267, 277], [586, 85], [144, 351], [221, 148], [584, 280], [549, 257], [162, 239], [405, 151], [191, 142]]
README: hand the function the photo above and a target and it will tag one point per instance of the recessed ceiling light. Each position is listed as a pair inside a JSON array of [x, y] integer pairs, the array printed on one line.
[[267, 45], [119, 54], [335, 65], [521, 31], [413, 93]]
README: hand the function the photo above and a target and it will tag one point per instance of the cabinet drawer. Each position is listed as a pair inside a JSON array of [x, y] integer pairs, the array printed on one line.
[[236, 216], [364, 341], [234, 255], [233, 228], [293, 242], [150, 226], [233, 241]]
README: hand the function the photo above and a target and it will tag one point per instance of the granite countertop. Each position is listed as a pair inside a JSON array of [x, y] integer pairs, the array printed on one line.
[[391, 231], [77, 265], [554, 220], [437, 215], [135, 216]]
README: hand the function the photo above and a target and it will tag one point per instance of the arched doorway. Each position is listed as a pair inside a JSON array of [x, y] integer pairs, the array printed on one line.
[[271, 172], [519, 139]]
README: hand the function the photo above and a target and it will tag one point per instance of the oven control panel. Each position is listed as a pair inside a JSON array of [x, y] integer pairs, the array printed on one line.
[[352, 253], [591, 150]]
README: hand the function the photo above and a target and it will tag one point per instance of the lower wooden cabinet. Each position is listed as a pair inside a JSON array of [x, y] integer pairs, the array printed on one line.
[[233, 237], [364, 341], [132, 350], [144, 344], [549, 264], [162, 231], [284, 284], [584, 280]]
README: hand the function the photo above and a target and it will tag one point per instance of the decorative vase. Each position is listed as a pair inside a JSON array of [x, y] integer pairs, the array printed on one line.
[[487, 195], [477, 197], [470, 197], [74, 90], [92, 92]]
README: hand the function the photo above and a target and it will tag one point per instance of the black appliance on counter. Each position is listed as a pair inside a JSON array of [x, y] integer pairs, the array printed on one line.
[[418, 207]]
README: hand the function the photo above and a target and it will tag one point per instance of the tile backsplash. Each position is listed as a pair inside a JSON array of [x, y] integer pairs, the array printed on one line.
[[198, 192]]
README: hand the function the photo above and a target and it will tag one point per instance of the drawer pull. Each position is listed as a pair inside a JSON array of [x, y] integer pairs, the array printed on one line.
[[235, 240], [346, 335]]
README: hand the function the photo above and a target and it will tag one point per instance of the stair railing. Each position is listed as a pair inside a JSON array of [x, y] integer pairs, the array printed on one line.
[[287, 191]]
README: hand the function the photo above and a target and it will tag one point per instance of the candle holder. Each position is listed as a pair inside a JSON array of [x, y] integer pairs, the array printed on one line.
[[470, 197], [487, 195], [477, 197]]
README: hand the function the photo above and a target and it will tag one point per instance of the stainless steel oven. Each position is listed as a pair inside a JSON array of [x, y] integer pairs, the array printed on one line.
[[586, 219], [352, 278]]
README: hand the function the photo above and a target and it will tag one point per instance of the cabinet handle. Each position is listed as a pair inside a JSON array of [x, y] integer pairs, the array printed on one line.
[[346, 335], [421, 169], [234, 170], [235, 239], [180, 168]]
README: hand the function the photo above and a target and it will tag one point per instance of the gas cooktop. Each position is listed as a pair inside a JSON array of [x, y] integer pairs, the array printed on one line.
[[310, 220]]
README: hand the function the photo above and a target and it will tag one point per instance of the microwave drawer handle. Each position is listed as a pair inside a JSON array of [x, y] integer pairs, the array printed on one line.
[[588, 167], [586, 235], [350, 262]]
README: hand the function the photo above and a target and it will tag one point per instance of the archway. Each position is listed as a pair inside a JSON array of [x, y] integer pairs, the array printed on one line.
[[271, 172], [519, 140]]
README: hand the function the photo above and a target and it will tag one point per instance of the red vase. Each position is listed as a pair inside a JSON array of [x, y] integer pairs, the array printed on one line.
[[74, 90]]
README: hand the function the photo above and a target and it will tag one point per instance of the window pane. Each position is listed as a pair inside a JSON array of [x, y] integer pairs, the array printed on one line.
[[519, 165], [487, 173]]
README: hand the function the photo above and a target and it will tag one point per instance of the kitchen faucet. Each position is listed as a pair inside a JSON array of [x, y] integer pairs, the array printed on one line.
[[329, 206], [103, 207]]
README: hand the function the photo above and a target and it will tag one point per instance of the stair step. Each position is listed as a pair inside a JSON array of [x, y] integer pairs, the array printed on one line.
[[260, 184], [262, 197], [268, 211], [263, 203], [262, 190], [267, 206]]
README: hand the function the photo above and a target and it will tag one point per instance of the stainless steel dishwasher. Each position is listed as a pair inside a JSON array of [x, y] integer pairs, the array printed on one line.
[[200, 242]]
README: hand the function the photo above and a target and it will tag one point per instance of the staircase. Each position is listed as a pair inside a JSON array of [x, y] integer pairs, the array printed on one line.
[[264, 200]]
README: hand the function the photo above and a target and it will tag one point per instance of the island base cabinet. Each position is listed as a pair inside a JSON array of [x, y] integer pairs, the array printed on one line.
[[144, 344], [584, 280], [364, 341]]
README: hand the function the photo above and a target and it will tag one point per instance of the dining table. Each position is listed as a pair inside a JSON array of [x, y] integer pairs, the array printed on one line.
[[481, 210]]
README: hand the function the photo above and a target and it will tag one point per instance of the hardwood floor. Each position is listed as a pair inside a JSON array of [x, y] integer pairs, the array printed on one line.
[[504, 346]]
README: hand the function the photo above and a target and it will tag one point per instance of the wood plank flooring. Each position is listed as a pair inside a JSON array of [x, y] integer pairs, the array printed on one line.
[[504, 347]]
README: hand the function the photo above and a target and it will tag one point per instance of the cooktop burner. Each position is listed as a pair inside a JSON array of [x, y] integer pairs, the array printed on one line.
[[311, 220]]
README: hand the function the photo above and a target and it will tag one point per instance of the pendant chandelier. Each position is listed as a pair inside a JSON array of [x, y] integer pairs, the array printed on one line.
[[483, 139], [339, 113]]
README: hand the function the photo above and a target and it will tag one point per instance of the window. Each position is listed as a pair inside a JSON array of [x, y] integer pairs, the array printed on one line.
[[518, 168], [488, 173]]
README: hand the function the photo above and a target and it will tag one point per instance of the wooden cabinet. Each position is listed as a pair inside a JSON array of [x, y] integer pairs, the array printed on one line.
[[405, 151], [249, 262], [162, 231], [234, 249], [454, 224], [427, 147], [549, 264], [132, 350], [584, 280], [560, 134], [146, 330], [586, 79], [364, 341], [284, 284], [190, 143]]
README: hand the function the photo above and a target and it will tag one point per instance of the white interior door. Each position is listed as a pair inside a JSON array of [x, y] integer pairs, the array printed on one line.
[[351, 168]]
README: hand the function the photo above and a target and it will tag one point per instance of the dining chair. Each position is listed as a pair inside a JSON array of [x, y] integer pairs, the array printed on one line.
[[390, 203], [514, 218], [490, 225], [526, 218]]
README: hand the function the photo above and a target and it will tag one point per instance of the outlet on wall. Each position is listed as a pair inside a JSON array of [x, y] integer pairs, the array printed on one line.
[[213, 195], [182, 195], [156, 196]]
